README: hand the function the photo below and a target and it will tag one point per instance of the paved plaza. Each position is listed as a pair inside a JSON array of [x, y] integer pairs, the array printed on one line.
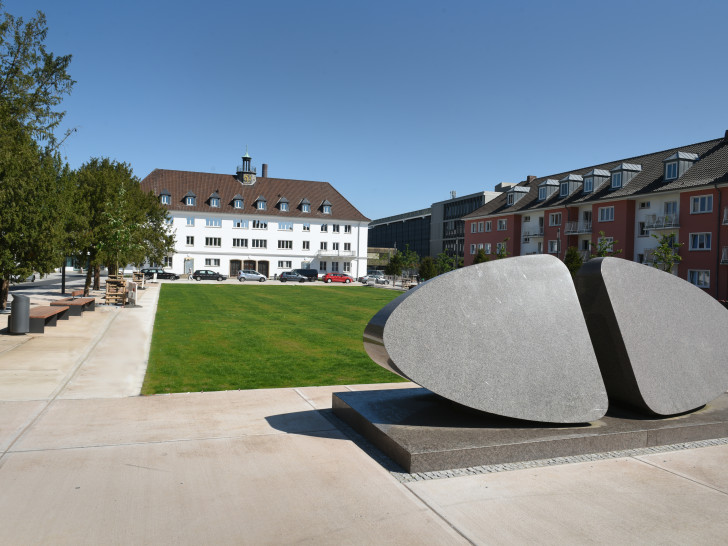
[[85, 460]]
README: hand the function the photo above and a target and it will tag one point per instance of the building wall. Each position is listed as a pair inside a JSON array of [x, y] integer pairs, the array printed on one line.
[[511, 235], [414, 232], [692, 223]]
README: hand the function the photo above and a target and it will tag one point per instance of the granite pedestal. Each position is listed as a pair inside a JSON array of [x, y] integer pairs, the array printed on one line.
[[424, 432]]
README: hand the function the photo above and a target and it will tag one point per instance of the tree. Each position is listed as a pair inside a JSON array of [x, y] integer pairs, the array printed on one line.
[[604, 246], [502, 249], [573, 260], [427, 268], [410, 259], [445, 262], [394, 267], [32, 80], [666, 255], [480, 257]]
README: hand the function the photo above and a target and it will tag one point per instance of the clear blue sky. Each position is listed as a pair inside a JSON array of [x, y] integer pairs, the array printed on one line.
[[394, 102]]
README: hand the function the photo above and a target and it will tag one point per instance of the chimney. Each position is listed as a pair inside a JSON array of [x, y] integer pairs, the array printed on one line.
[[453, 194], [726, 136], [265, 170], [530, 178]]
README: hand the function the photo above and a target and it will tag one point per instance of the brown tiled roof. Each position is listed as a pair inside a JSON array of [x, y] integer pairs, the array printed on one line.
[[179, 183], [711, 167]]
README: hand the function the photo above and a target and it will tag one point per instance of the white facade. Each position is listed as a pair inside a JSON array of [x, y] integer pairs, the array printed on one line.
[[226, 243]]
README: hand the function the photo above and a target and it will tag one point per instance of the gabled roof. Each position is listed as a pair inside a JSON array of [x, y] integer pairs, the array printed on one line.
[[712, 167], [181, 183]]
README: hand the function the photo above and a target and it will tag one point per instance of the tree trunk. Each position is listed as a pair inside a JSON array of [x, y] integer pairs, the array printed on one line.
[[87, 284], [4, 287], [97, 277]]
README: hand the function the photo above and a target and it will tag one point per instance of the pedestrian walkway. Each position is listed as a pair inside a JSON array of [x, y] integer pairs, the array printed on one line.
[[85, 460]]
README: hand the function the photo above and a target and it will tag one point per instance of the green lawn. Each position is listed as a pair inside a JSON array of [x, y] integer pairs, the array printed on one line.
[[210, 337]]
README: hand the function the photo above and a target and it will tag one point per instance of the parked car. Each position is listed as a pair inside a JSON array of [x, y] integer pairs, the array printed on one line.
[[310, 274], [250, 275], [149, 272], [337, 277], [291, 276], [374, 277], [208, 274]]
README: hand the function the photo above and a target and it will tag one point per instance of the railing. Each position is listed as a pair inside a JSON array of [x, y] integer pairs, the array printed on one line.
[[668, 221], [649, 256], [578, 227], [724, 255], [533, 233], [345, 253]]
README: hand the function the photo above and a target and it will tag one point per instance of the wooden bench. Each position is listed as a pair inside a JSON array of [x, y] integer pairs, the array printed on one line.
[[76, 293], [76, 306], [46, 315]]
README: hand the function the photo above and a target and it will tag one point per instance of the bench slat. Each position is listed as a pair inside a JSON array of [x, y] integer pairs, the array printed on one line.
[[45, 311]]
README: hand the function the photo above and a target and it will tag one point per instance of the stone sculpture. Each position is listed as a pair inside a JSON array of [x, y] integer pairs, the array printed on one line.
[[506, 337], [661, 343]]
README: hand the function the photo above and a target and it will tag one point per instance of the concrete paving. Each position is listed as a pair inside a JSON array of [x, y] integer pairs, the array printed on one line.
[[85, 460]]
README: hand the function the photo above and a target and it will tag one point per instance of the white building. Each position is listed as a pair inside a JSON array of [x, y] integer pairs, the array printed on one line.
[[231, 222]]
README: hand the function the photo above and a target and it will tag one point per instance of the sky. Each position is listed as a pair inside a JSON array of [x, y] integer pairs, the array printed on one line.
[[395, 103]]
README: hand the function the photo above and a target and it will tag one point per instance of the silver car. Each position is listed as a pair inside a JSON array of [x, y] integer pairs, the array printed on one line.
[[250, 275]]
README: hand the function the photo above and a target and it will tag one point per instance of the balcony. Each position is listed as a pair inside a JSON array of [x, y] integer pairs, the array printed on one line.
[[668, 221], [724, 255], [574, 228], [532, 234], [649, 256], [336, 253]]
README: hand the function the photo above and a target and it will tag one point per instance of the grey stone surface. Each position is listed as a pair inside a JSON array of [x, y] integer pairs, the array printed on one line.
[[661, 343], [423, 432], [506, 337]]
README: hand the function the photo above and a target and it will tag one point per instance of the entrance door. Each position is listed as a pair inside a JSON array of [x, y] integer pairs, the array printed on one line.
[[235, 266], [189, 266], [263, 268], [249, 264]]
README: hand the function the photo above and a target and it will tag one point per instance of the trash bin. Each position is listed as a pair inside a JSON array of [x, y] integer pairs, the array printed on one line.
[[19, 322]]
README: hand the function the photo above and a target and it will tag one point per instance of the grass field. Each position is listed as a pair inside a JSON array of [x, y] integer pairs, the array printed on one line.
[[228, 337]]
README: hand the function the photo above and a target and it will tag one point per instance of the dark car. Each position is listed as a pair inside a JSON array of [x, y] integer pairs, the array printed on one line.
[[149, 272], [208, 274], [291, 276], [337, 277], [310, 274]]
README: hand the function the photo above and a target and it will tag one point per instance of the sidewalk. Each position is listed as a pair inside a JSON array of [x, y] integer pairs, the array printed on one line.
[[83, 459]]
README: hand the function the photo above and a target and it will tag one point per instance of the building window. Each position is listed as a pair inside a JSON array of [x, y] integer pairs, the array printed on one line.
[[526, 218], [606, 214], [607, 243], [334, 266], [616, 180], [260, 224], [347, 267], [215, 202], [285, 226], [240, 243], [260, 243], [324, 245], [347, 228], [306, 227], [347, 246], [305, 207], [334, 246], [322, 266], [488, 225], [167, 261], [284, 208], [190, 240], [238, 203], [324, 227], [480, 227], [190, 222], [306, 245], [213, 241], [671, 208], [212, 262], [486, 247], [166, 199], [335, 228], [588, 184], [285, 245], [541, 194], [190, 201], [564, 189], [260, 205], [643, 232], [327, 209], [644, 204], [213, 222], [168, 220], [553, 247], [700, 241], [473, 228], [701, 204], [699, 277], [240, 223], [671, 170], [284, 264], [502, 224], [472, 249], [555, 219], [500, 247], [510, 199]]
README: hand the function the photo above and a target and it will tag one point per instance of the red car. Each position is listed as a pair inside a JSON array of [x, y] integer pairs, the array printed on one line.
[[337, 277]]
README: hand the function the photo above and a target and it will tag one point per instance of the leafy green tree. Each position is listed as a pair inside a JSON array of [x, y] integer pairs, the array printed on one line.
[[427, 268], [395, 265], [666, 255], [445, 262], [480, 257], [410, 259], [502, 249], [604, 247], [573, 260]]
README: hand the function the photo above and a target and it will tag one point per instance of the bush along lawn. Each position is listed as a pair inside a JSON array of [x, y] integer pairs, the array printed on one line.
[[229, 337]]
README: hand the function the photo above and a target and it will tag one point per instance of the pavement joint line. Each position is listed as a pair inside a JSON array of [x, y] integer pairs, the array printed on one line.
[[54, 395], [23, 341], [684, 476]]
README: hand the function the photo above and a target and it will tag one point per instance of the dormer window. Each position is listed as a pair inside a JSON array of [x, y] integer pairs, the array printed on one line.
[[283, 204], [190, 199], [515, 193], [564, 189], [305, 205], [165, 197], [510, 199], [569, 184], [594, 179], [623, 173], [541, 194], [238, 201], [547, 188], [589, 184], [326, 207], [214, 200], [261, 203], [678, 163], [284, 207]]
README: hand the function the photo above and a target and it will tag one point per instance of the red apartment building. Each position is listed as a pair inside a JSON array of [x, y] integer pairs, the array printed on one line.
[[681, 192]]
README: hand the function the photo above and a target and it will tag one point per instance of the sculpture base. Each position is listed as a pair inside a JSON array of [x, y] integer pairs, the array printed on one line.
[[424, 432]]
